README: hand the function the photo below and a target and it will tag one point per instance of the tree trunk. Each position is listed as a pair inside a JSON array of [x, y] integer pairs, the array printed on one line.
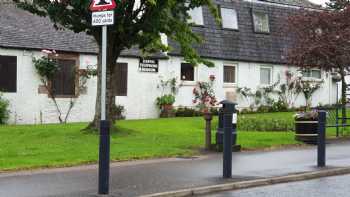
[[110, 97], [343, 96]]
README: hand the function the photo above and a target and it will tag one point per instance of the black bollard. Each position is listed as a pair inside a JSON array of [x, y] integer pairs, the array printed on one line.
[[103, 171], [321, 139], [228, 110]]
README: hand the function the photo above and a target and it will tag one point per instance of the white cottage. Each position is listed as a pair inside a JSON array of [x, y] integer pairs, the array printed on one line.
[[248, 50]]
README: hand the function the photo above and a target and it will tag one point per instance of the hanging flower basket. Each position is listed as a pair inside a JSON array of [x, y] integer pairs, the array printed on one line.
[[336, 77]]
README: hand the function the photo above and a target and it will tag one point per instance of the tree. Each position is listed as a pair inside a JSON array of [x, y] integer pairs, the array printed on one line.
[[322, 39], [338, 4], [137, 23]]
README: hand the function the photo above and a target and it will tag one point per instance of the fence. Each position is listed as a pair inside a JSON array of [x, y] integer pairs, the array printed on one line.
[[335, 118]]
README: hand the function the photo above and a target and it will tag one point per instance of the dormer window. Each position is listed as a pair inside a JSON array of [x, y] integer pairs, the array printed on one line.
[[261, 22], [196, 15], [229, 18]]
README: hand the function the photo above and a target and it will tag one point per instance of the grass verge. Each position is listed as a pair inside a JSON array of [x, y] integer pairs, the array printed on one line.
[[38, 146]]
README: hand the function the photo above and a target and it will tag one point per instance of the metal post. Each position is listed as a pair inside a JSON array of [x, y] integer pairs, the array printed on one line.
[[227, 160], [321, 139], [208, 118], [103, 80], [337, 111], [337, 119], [104, 149]]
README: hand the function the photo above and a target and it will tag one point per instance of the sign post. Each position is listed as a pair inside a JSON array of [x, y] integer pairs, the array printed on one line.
[[103, 16]]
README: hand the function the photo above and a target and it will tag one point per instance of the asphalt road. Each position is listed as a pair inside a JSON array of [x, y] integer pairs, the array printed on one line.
[[129, 179], [325, 187]]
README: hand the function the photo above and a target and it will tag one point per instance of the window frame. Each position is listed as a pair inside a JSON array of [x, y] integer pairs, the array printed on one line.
[[194, 22], [310, 72], [187, 82], [254, 16], [66, 56], [235, 77], [9, 90], [271, 75], [222, 18]]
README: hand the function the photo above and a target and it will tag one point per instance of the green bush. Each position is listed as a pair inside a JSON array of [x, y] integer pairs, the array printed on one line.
[[263, 109], [280, 106], [167, 99], [4, 112], [187, 112], [246, 123], [118, 112]]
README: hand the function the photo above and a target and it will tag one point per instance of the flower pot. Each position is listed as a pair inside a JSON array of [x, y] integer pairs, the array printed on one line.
[[167, 111], [167, 107], [306, 130]]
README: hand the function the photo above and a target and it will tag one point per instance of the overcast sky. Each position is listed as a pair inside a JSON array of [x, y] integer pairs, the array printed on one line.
[[319, 1]]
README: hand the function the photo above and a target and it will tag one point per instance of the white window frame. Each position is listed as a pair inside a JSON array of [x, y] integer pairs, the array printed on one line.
[[271, 75], [255, 17], [228, 24], [196, 15], [195, 76], [311, 77], [228, 84]]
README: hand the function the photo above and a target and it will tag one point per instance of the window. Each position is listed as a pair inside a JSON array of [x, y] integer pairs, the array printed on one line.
[[314, 73], [196, 15], [261, 22], [229, 18], [121, 79], [8, 73], [187, 72], [229, 74], [63, 83], [265, 75]]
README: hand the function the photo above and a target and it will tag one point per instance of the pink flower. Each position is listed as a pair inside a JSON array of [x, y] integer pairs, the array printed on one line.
[[212, 77]]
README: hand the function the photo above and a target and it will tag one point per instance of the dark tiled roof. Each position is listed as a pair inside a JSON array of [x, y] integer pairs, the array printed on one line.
[[244, 44], [21, 29]]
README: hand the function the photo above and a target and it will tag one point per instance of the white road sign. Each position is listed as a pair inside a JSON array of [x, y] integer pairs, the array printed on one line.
[[102, 18]]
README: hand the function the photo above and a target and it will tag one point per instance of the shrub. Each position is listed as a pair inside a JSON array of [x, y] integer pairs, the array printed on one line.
[[214, 111], [279, 106], [263, 109], [167, 99], [187, 112], [118, 112], [246, 123], [4, 112]]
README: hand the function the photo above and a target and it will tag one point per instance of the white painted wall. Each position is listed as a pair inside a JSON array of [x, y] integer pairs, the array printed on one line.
[[27, 104]]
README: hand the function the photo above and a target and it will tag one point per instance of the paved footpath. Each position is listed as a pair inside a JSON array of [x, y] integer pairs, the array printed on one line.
[[130, 179]]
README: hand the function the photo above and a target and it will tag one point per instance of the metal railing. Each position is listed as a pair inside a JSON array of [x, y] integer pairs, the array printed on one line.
[[335, 118]]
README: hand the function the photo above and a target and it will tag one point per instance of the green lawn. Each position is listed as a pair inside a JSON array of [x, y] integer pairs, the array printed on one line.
[[36, 146]]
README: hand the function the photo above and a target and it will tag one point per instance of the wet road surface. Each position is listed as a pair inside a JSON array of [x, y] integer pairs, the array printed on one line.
[[325, 187], [135, 178]]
